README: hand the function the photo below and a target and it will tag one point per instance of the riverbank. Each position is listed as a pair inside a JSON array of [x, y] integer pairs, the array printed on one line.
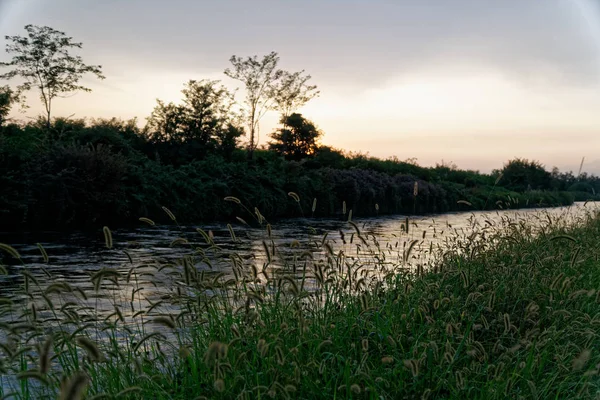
[[84, 175], [62, 199], [511, 310]]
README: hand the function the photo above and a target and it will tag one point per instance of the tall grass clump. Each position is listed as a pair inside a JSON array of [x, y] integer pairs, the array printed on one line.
[[509, 308]]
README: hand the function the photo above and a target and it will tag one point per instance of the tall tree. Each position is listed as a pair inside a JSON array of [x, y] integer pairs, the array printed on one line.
[[268, 88], [258, 77], [210, 119], [208, 108], [297, 139], [292, 92], [204, 122], [42, 60]]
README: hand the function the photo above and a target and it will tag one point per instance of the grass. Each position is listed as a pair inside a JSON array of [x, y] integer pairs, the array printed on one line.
[[506, 310]]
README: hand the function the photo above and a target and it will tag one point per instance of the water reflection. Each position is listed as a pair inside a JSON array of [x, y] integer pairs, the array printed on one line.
[[147, 255]]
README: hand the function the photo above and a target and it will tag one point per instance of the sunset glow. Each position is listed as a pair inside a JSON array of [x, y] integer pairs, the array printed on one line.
[[519, 77]]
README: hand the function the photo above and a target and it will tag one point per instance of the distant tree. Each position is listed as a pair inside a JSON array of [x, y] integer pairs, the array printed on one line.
[[297, 139], [165, 123], [227, 139], [42, 60], [521, 175], [327, 156], [204, 122], [268, 88], [7, 99], [581, 187], [412, 161], [556, 179], [292, 92], [119, 135], [259, 78], [208, 110], [449, 165]]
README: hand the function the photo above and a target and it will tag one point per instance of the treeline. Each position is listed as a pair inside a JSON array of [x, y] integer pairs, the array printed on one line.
[[80, 174], [58, 172]]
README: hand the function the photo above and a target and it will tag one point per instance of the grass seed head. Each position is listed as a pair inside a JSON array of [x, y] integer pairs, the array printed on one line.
[[169, 213], [387, 360], [108, 240], [413, 366], [91, 348], [294, 196], [74, 387], [147, 221], [10, 250], [165, 321], [45, 350], [582, 359], [219, 385], [43, 251], [233, 199]]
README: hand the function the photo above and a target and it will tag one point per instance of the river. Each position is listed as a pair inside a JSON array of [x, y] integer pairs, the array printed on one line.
[[74, 256], [154, 254]]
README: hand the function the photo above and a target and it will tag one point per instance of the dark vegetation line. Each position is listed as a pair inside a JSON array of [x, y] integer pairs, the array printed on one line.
[[108, 172], [64, 173]]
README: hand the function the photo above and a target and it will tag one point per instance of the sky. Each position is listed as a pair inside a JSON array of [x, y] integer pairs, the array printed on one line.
[[471, 82]]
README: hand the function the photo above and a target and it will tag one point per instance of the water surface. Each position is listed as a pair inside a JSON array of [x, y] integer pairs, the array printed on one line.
[[74, 256]]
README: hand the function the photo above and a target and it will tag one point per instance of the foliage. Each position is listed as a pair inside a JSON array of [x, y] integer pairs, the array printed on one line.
[[268, 88], [521, 175], [297, 139], [156, 171], [258, 78], [42, 60], [165, 122], [81, 184], [7, 99], [188, 156], [292, 92], [205, 123]]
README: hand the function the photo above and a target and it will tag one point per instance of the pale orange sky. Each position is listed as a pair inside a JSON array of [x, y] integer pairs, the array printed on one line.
[[472, 82]]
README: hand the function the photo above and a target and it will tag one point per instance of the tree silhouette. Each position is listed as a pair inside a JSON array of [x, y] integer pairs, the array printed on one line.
[[521, 175], [268, 88], [208, 110], [43, 61], [297, 139], [258, 78], [165, 123], [7, 98], [203, 123], [292, 92]]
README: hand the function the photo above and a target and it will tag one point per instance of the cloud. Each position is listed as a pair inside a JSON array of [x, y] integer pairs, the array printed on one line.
[[505, 77], [341, 42]]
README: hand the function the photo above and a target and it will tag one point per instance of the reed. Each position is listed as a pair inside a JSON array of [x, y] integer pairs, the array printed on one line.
[[504, 309]]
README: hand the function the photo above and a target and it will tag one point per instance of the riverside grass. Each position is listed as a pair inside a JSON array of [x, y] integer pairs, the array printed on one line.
[[510, 310]]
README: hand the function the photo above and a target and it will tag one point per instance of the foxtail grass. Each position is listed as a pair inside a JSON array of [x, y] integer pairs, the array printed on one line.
[[505, 309]]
